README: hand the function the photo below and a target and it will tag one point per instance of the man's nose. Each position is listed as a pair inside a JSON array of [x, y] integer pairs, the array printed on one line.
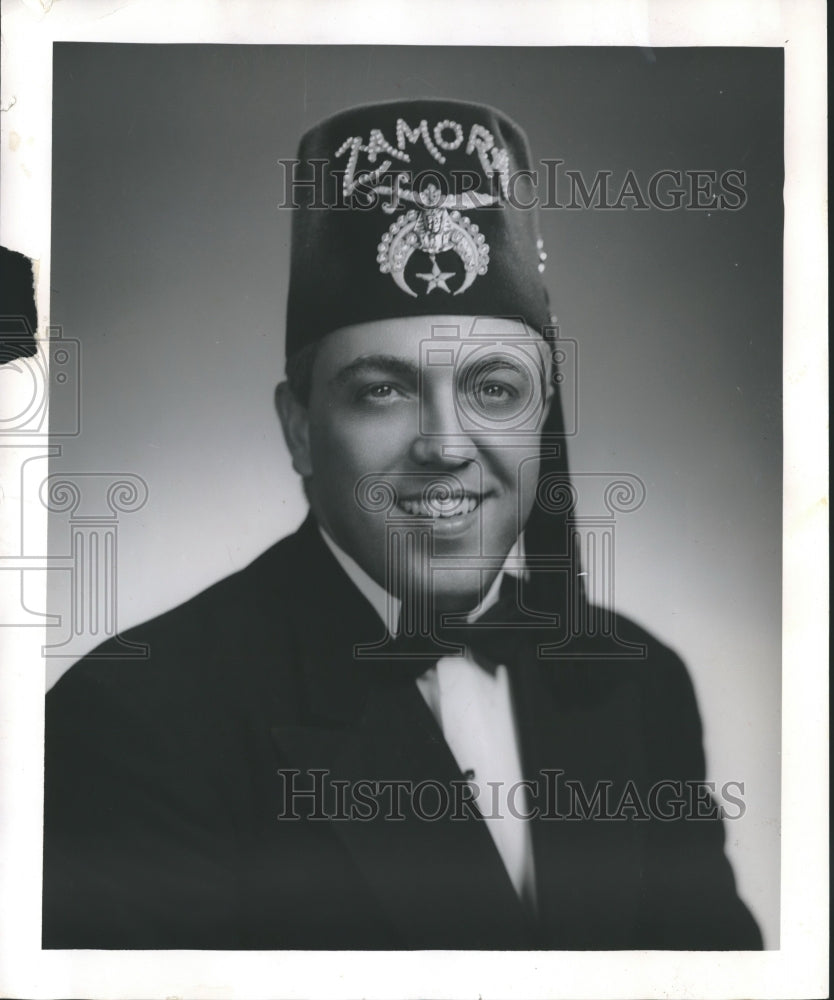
[[440, 440]]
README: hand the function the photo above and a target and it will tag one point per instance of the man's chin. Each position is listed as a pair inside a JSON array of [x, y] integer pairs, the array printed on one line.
[[459, 591]]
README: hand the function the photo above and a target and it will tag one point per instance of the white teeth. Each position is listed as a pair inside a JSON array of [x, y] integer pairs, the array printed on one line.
[[455, 506]]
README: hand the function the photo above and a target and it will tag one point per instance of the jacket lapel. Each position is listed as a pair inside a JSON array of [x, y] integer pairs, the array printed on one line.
[[440, 880]]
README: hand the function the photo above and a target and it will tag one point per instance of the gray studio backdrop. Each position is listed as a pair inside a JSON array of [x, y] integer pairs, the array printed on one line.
[[169, 268]]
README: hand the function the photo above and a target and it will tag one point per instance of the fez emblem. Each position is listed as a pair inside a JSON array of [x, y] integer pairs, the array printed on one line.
[[435, 225]]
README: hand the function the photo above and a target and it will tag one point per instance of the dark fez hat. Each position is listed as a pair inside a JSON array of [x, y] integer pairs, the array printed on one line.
[[412, 208]]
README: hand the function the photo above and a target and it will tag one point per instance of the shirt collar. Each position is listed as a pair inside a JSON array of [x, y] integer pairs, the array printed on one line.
[[388, 607]]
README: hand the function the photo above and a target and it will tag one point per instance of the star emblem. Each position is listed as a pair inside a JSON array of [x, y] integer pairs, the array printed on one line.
[[437, 278]]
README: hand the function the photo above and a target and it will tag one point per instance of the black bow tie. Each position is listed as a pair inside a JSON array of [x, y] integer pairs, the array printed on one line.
[[504, 634]]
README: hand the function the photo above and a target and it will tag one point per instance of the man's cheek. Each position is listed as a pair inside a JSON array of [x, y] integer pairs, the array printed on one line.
[[332, 453], [519, 464]]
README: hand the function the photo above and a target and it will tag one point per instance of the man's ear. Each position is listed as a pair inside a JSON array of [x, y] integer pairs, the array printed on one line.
[[295, 422]]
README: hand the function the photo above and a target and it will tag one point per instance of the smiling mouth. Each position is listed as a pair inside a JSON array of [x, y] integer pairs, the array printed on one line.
[[456, 504]]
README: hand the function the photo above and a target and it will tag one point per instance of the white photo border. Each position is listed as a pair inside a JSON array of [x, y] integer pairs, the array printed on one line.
[[799, 967]]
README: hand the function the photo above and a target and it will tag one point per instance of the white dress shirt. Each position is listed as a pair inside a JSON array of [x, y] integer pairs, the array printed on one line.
[[474, 710]]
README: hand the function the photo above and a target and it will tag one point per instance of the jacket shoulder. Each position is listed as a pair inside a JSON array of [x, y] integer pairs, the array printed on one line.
[[211, 641]]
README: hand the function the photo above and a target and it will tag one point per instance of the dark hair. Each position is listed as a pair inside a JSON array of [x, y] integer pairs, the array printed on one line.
[[299, 370]]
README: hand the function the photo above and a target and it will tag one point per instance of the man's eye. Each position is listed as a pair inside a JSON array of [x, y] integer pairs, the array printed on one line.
[[379, 391], [495, 392]]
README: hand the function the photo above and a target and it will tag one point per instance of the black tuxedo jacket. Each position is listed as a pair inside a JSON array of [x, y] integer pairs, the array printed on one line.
[[166, 817]]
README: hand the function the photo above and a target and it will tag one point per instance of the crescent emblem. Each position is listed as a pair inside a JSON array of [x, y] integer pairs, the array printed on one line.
[[433, 230]]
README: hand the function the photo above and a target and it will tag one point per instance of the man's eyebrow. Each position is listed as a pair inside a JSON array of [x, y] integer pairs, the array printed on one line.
[[490, 364], [376, 363]]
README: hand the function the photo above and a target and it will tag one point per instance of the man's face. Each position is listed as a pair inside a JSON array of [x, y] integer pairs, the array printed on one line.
[[431, 423]]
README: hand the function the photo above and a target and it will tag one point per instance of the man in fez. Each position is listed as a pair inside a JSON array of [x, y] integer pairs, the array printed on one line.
[[401, 727]]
